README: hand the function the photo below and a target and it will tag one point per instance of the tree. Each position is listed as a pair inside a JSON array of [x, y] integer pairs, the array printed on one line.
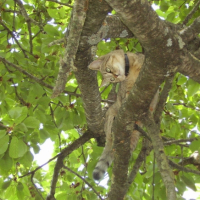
[[45, 44]]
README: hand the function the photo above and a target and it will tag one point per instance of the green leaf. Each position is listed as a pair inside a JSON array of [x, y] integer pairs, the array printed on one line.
[[20, 186], [51, 30], [62, 196], [164, 6], [193, 87], [18, 113], [44, 102], [27, 159], [67, 123], [6, 184], [181, 80], [36, 148], [53, 133], [189, 182], [194, 146], [171, 17], [17, 148], [35, 92], [2, 133], [6, 162], [40, 115], [4, 144], [53, 13], [10, 193], [20, 128], [62, 13], [180, 185], [32, 122], [20, 193], [44, 134]]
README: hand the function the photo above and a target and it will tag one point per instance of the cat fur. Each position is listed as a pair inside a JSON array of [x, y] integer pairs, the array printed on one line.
[[112, 68]]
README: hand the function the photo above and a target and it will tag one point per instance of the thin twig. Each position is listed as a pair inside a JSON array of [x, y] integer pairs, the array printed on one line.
[[33, 77], [59, 41], [84, 158], [185, 169], [32, 172], [36, 34], [59, 164], [189, 16], [193, 159], [105, 88], [142, 132], [14, 16], [153, 181], [185, 105], [11, 11], [28, 21], [163, 98], [16, 92], [175, 157], [168, 142], [180, 141], [182, 4], [25, 15], [36, 186], [54, 121], [13, 36], [3, 126], [64, 152], [146, 149], [84, 181]]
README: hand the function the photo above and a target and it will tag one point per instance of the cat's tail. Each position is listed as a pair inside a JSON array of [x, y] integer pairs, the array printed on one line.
[[107, 156], [104, 162]]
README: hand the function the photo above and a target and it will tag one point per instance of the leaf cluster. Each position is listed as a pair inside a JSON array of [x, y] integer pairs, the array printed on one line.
[[28, 115]]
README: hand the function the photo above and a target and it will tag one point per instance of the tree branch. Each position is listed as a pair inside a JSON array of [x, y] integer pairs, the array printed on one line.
[[28, 21], [189, 16], [121, 148], [190, 66], [142, 132], [112, 27], [162, 98], [59, 164], [185, 169], [67, 62], [194, 159], [26, 16], [84, 181], [33, 172], [165, 171], [33, 77], [190, 32], [148, 32], [87, 79], [187, 106], [146, 149], [13, 36], [36, 186], [169, 142]]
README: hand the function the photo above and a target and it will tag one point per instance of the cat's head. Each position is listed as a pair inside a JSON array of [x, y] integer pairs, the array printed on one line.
[[111, 66]]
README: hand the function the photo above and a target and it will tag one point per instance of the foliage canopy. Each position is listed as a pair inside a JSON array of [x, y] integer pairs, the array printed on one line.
[[32, 41]]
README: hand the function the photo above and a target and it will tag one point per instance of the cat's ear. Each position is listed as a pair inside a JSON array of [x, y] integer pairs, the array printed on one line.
[[95, 65], [104, 82]]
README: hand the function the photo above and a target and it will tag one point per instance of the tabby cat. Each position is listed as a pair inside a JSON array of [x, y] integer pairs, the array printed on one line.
[[113, 68]]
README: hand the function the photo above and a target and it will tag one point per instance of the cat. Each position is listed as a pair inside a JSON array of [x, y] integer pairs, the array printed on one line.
[[113, 67]]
